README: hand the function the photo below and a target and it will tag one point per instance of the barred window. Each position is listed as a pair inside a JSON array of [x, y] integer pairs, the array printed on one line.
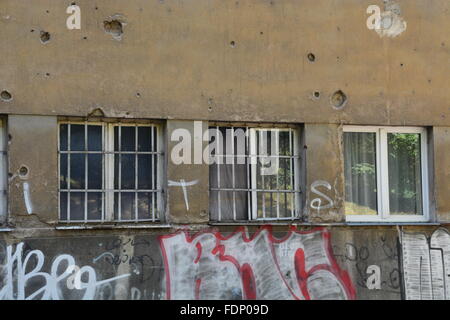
[[109, 172], [254, 174]]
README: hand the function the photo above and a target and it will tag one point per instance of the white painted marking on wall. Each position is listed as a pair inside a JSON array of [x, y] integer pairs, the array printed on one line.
[[27, 197], [316, 203], [21, 267], [374, 280], [183, 184]]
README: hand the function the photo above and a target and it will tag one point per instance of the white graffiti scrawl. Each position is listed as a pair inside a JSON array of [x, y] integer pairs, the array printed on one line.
[[426, 265], [299, 265], [23, 278]]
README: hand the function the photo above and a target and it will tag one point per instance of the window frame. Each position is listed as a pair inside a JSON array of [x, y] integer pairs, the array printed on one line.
[[252, 156], [383, 215], [108, 154]]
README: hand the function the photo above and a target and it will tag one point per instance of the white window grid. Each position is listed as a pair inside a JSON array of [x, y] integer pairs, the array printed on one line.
[[383, 174], [108, 172], [252, 158]]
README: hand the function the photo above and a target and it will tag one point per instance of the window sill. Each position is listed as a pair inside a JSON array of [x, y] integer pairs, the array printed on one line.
[[112, 227], [322, 224]]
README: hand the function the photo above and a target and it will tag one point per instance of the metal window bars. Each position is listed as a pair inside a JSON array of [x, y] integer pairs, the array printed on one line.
[[271, 168], [97, 194]]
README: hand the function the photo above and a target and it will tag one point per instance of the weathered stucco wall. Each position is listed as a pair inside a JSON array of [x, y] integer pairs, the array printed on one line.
[[320, 263], [278, 61], [176, 59]]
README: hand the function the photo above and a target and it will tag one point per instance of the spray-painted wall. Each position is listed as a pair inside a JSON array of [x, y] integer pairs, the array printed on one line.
[[319, 64], [319, 263]]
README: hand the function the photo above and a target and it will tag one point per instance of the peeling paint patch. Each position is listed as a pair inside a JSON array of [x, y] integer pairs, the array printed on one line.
[[391, 22]]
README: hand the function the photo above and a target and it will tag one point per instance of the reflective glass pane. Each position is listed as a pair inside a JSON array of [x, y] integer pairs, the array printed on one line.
[[405, 183], [360, 173]]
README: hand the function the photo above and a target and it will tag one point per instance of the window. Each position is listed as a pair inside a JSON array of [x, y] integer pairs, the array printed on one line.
[[109, 172], [254, 173], [3, 173], [385, 174]]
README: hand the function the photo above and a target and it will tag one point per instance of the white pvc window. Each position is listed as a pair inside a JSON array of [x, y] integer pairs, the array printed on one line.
[[386, 176], [109, 172], [3, 173], [254, 174]]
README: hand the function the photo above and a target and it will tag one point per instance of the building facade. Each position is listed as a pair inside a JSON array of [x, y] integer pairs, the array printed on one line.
[[225, 149]]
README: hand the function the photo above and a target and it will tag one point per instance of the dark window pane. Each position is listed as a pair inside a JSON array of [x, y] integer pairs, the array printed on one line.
[[405, 183], [283, 143], [144, 138], [116, 138], [116, 170], [63, 205], [128, 206], [63, 171], [94, 205], [76, 206], [95, 138], [145, 205], [145, 171], [63, 137], [128, 139], [77, 137], [360, 173], [77, 171], [95, 171], [128, 171]]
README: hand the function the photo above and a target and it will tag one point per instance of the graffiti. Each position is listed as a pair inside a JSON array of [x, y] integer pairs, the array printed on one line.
[[183, 184], [374, 279], [375, 264], [316, 203], [27, 197], [22, 268], [298, 266], [426, 265]]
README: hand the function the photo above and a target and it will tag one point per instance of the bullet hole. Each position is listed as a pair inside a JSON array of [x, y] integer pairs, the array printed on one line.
[[6, 96], [429, 80], [311, 57], [209, 108], [47, 74], [45, 36], [10, 175], [261, 33], [32, 30], [401, 64], [9, 137], [114, 27], [84, 38], [96, 8], [316, 94], [338, 99], [23, 171], [47, 11], [73, 4], [232, 44], [138, 94]]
